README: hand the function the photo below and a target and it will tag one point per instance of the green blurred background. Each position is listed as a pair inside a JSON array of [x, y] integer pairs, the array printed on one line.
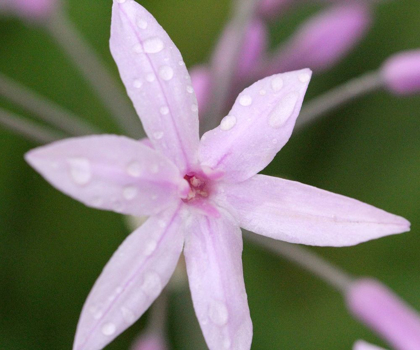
[[53, 248]]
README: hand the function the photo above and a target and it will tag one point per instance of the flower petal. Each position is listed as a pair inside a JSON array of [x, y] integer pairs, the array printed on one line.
[[297, 213], [258, 126], [110, 172], [213, 250], [131, 281], [157, 82], [362, 345]]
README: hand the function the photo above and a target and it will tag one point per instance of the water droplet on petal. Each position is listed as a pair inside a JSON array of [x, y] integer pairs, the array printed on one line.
[[153, 45], [150, 248], [194, 108], [137, 84], [154, 169], [97, 201], [190, 89], [117, 206], [277, 84], [152, 284], [108, 329], [282, 112], [150, 77], [138, 48], [128, 315], [181, 63], [134, 169], [130, 192], [158, 135], [228, 122], [166, 73], [263, 92], [245, 100], [162, 223], [304, 77], [121, 1], [80, 170], [218, 313], [142, 24], [164, 110], [227, 343]]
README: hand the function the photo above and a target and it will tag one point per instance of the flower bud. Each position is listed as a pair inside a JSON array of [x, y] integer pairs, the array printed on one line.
[[362, 345], [32, 10], [325, 39], [381, 310], [401, 73], [150, 341], [201, 82], [254, 46]]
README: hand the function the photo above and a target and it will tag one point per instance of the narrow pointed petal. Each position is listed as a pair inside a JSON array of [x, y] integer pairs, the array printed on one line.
[[362, 345], [297, 213], [213, 250], [258, 126], [157, 82], [110, 172], [131, 281]]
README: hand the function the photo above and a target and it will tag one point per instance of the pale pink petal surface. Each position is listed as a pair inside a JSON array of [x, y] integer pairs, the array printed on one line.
[[131, 281], [110, 172], [213, 251], [362, 345], [298, 213], [150, 341], [157, 82], [258, 126]]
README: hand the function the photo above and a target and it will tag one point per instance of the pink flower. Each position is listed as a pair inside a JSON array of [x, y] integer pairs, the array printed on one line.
[[150, 341], [34, 10], [197, 193], [362, 345]]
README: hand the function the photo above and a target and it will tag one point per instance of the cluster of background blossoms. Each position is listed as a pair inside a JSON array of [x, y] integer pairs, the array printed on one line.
[[240, 58]]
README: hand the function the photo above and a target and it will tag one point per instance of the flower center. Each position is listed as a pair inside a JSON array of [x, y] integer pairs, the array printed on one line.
[[198, 188]]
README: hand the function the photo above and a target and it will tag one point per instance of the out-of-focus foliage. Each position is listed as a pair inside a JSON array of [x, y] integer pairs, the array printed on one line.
[[53, 248]]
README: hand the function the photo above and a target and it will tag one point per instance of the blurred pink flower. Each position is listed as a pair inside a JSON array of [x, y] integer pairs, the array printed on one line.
[[197, 193], [150, 341], [34, 10], [380, 309], [362, 345], [401, 72], [324, 39]]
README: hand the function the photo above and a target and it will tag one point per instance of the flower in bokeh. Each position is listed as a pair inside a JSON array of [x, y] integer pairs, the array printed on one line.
[[150, 341], [362, 345], [197, 193], [33, 10]]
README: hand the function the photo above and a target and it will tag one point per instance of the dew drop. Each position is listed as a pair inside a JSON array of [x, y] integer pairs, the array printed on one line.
[[154, 169], [162, 223], [227, 343], [137, 84], [190, 89], [277, 84], [164, 110], [117, 206], [181, 63], [218, 313], [134, 169], [304, 77], [128, 315], [108, 329], [153, 45], [282, 112], [150, 77], [97, 201], [166, 73], [142, 24], [80, 170], [263, 92], [138, 48], [150, 248], [121, 1], [152, 284], [158, 135], [245, 100], [228, 122], [130, 192], [194, 108]]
